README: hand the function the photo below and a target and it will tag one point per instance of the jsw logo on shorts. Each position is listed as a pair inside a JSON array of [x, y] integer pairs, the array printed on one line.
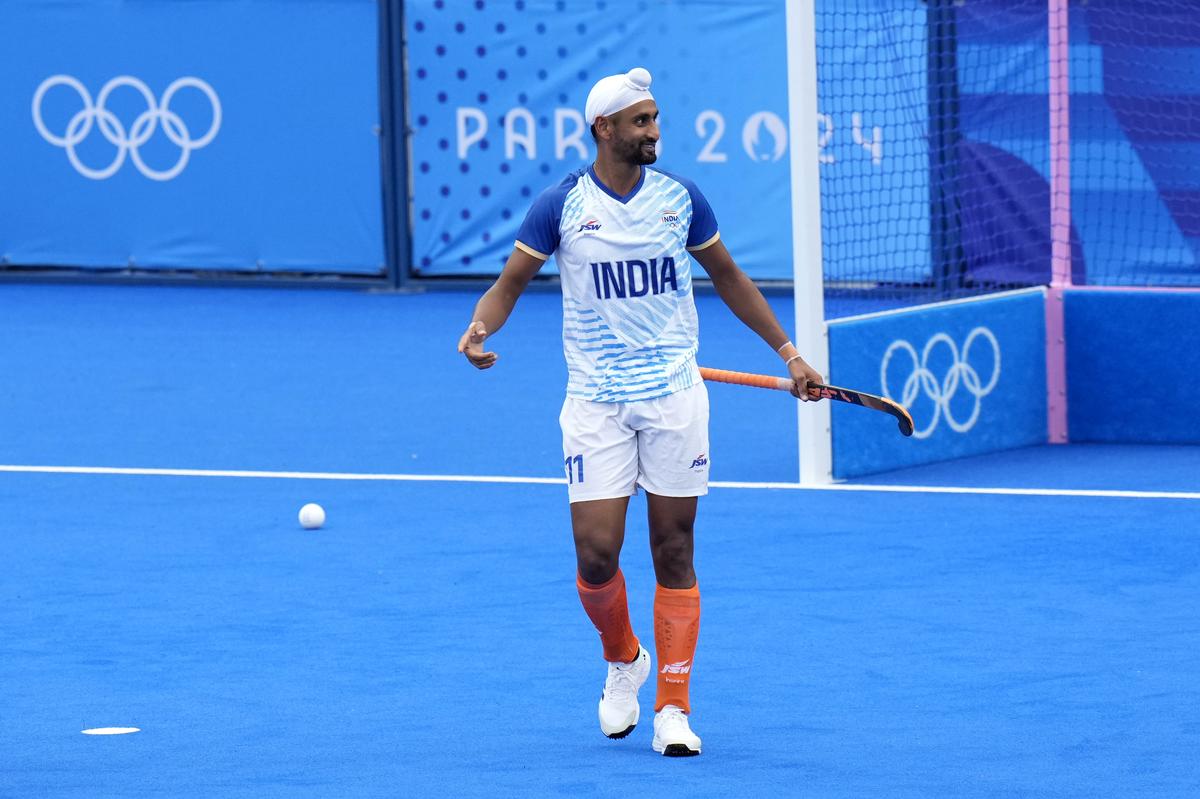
[[700, 461], [634, 278]]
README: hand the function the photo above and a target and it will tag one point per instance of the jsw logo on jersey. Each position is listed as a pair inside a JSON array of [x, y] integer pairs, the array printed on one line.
[[591, 225], [634, 278], [700, 462]]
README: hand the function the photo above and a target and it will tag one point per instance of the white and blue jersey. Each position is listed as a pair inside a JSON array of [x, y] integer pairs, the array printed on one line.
[[629, 322]]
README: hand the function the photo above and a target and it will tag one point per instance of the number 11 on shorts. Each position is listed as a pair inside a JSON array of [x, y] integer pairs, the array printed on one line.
[[575, 461]]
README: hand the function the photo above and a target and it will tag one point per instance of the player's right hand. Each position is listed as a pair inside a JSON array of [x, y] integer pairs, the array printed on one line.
[[471, 345], [802, 374]]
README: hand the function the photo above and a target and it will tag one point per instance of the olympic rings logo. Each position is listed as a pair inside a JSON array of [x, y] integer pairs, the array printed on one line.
[[126, 141], [961, 373]]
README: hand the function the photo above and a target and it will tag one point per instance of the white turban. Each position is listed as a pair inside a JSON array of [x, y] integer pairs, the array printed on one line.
[[617, 92]]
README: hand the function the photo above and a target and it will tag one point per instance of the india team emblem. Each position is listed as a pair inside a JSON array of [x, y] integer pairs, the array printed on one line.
[[670, 218]]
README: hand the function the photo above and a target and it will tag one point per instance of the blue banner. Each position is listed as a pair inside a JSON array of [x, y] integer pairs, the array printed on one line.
[[209, 134], [496, 95], [972, 374]]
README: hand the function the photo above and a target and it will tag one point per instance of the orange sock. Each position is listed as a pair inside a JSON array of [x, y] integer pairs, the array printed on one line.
[[676, 627], [608, 609]]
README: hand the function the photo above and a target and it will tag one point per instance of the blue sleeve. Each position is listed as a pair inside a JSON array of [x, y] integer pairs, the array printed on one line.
[[540, 230], [704, 221]]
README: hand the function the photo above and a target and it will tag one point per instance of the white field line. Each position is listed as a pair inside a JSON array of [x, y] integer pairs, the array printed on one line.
[[470, 478]]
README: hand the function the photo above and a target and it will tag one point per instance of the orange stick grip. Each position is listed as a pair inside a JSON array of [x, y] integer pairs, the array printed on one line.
[[746, 379]]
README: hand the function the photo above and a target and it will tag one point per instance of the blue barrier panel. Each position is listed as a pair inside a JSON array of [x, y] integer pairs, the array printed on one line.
[[496, 96], [201, 135], [1133, 366], [972, 374]]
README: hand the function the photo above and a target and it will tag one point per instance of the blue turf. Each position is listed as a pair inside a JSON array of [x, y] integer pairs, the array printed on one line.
[[852, 645], [324, 380], [1129, 467], [429, 641]]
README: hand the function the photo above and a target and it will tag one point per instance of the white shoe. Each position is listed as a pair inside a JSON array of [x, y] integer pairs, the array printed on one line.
[[619, 709], [672, 735]]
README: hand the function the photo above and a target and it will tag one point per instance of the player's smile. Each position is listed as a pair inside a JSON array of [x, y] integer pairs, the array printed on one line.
[[646, 152]]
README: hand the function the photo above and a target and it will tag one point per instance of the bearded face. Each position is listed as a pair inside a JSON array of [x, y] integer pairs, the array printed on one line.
[[635, 133]]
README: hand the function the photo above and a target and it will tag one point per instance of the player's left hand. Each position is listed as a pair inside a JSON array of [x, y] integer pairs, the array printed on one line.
[[471, 345], [802, 374]]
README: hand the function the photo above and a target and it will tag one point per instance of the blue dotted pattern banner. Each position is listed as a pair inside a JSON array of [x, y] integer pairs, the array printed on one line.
[[496, 90]]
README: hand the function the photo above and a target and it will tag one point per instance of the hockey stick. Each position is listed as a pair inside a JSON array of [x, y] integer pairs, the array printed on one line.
[[815, 391]]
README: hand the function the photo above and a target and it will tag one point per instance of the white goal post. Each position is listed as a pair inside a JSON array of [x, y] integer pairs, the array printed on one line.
[[811, 334]]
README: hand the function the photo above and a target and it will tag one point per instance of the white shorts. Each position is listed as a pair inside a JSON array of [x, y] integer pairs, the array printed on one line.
[[661, 444]]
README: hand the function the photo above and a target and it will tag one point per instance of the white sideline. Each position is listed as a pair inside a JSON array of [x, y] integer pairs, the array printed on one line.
[[470, 478]]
